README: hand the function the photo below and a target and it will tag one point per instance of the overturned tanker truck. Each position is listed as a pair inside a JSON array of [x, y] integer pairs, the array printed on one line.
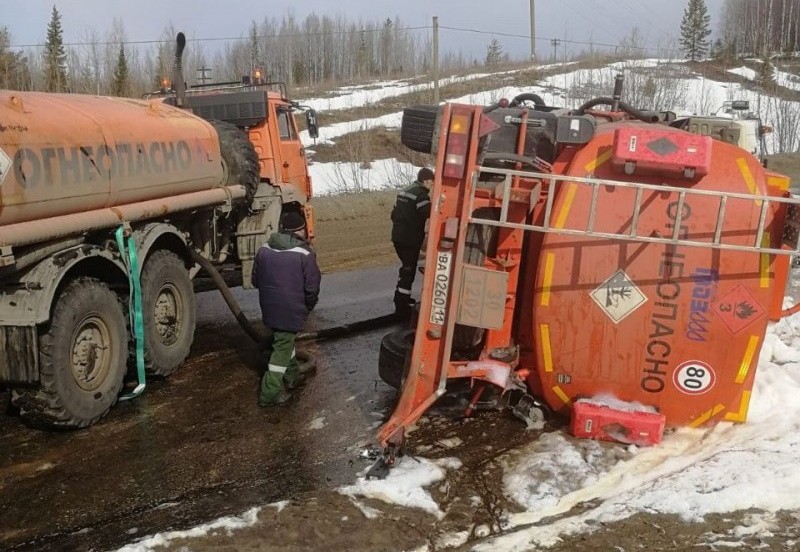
[[105, 204], [602, 255]]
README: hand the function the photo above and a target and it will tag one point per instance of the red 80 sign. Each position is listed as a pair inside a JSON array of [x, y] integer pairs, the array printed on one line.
[[694, 377]]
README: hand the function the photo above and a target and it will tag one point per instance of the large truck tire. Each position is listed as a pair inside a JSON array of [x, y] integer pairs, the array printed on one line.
[[418, 127], [239, 156], [82, 357], [169, 312], [394, 357]]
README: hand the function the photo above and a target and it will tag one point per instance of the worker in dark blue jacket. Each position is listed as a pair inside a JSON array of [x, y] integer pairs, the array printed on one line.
[[411, 210], [287, 277]]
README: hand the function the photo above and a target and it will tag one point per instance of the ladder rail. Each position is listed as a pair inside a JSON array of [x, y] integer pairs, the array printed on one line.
[[764, 203]]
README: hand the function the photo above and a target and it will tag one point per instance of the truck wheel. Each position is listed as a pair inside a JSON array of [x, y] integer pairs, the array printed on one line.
[[82, 358], [239, 156], [169, 312], [393, 357], [419, 127]]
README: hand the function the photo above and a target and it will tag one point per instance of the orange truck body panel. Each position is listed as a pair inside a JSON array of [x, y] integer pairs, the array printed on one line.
[[280, 152], [70, 153]]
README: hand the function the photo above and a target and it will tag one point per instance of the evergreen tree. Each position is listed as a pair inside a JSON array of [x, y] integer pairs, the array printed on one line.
[[695, 29], [494, 53], [14, 73], [120, 85], [766, 74], [55, 57]]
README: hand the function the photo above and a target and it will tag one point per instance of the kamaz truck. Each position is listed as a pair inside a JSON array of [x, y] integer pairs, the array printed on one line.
[[106, 204]]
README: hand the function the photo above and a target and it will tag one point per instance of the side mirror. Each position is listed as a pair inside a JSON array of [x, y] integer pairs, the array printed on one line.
[[311, 123]]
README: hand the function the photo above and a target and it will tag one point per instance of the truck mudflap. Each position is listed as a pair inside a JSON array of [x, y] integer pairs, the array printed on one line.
[[19, 354]]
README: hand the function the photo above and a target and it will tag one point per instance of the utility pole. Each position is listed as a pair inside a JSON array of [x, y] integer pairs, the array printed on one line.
[[533, 30], [436, 59], [555, 42], [202, 77]]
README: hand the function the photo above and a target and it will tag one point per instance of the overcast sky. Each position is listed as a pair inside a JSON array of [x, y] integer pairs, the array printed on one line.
[[600, 21]]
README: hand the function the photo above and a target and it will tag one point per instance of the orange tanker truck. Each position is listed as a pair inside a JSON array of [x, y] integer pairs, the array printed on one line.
[[105, 204], [601, 263]]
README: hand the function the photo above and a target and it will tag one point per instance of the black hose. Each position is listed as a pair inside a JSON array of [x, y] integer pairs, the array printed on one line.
[[353, 327], [254, 333], [260, 337], [519, 98], [516, 158], [632, 111]]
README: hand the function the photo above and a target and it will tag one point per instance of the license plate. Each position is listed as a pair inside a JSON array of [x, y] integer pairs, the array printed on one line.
[[441, 287]]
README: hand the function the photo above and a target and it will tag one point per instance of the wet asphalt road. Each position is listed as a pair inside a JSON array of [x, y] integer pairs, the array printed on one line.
[[196, 446]]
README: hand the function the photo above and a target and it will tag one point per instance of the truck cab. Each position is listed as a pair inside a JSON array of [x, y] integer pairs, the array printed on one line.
[[737, 125]]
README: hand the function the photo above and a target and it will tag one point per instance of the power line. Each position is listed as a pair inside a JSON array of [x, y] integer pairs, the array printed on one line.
[[358, 31], [223, 38], [549, 39]]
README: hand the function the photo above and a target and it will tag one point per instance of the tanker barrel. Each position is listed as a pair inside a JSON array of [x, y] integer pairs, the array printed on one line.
[[177, 73]]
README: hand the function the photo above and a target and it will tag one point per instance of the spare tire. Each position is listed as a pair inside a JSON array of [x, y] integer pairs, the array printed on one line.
[[418, 127], [239, 156]]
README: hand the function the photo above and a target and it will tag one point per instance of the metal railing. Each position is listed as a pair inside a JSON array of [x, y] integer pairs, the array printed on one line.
[[791, 232]]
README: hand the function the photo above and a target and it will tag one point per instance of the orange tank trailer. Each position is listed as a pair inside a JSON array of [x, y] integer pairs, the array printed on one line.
[[677, 327], [621, 255]]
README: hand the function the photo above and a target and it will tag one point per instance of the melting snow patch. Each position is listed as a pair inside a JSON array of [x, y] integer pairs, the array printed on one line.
[[279, 505], [229, 523], [452, 540], [618, 404], [368, 511], [452, 442], [317, 423], [405, 483]]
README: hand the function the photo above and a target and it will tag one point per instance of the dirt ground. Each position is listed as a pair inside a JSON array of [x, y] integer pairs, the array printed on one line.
[[354, 231]]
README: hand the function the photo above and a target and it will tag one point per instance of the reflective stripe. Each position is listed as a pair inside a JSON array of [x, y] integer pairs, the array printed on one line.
[[277, 369], [302, 250], [423, 203], [404, 291], [294, 353], [408, 195]]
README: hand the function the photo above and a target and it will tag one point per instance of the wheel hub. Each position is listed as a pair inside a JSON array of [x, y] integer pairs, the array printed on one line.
[[167, 314], [91, 353]]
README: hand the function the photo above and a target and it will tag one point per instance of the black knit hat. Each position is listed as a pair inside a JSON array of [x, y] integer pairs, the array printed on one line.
[[292, 221], [424, 174]]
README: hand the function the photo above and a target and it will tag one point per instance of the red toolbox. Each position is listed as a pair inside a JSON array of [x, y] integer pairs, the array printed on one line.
[[599, 421], [661, 152]]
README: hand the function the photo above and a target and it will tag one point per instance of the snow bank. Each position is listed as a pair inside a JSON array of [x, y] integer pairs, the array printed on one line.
[[382, 174]]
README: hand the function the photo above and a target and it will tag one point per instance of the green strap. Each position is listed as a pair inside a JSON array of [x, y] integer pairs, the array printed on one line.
[[127, 249]]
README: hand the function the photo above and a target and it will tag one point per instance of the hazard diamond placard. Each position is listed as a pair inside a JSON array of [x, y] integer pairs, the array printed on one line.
[[738, 309], [618, 296], [5, 165]]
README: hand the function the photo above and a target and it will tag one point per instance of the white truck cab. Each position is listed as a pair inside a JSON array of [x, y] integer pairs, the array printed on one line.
[[736, 124]]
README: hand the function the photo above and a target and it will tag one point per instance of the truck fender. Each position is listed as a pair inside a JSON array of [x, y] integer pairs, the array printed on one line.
[[145, 238], [31, 302]]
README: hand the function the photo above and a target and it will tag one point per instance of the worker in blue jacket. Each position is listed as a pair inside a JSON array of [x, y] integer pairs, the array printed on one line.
[[287, 276]]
